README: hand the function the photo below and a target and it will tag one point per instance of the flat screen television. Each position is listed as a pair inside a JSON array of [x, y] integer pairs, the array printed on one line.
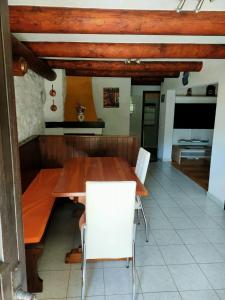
[[194, 116]]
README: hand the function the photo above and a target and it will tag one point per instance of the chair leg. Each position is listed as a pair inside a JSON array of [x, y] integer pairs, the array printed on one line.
[[146, 223], [138, 217], [133, 274], [84, 264], [82, 247], [128, 262]]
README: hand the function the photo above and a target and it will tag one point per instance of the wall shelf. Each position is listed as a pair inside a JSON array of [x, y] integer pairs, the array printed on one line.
[[196, 99]]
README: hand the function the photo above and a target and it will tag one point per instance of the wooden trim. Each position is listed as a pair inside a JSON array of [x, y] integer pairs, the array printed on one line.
[[34, 63], [159, 66], [120, 50], [114, 21], [12, 246]]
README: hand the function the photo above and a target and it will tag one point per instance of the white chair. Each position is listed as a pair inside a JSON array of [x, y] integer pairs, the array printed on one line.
[[141, 171], [108, 229]]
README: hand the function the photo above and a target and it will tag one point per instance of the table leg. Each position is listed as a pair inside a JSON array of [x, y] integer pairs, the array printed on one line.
[[74, 256], [34, 282]]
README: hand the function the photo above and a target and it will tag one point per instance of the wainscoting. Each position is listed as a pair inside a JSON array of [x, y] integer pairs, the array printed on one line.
[[55, 150]]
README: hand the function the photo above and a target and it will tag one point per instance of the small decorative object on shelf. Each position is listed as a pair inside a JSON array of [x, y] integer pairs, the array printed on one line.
[[211, 90], [80, 112]]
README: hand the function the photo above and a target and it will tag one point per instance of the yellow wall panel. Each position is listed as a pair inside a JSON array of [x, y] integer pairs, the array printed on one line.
[[79, 91]]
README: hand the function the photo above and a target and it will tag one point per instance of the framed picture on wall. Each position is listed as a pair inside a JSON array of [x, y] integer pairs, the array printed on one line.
[[110, 97]]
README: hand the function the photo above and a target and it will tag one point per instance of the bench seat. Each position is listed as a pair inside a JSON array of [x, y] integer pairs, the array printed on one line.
[[37, 204]]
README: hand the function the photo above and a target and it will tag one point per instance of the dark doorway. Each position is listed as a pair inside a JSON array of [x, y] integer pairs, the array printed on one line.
[[150, 122]]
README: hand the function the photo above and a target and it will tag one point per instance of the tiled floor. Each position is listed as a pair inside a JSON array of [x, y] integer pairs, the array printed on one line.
[[184, 259]]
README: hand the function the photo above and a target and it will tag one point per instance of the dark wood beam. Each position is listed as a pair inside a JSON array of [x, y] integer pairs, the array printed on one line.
[[20, 66], [34, 63], [73, 20], [109, 73], [119, 51], [160, 66]]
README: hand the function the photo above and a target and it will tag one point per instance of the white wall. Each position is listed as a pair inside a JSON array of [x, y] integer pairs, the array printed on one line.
[[212, 73], [59, 87], [166, 125], [137, 100], [30, 97], [117, 120]]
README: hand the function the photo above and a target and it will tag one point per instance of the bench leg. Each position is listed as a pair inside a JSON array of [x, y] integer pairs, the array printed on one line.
[[34, 282]]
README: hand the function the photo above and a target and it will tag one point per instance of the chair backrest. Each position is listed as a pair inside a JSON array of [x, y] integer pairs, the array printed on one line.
[[110, 210], [142, 164]]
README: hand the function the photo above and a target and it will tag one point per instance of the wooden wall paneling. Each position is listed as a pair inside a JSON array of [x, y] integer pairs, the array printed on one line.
[[83, 145], [111, 145], [95, 147], [55, 150], [122, 147], [30, 161], [69, 147], [133, 148]]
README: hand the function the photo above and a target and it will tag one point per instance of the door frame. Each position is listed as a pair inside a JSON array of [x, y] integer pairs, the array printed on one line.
[[12, 252], [142, 119]]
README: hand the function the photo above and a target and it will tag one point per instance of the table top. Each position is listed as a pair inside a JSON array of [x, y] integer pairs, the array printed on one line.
[[77, 171]]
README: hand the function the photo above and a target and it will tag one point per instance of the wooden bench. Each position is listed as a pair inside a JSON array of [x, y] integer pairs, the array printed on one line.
[[37, 204]]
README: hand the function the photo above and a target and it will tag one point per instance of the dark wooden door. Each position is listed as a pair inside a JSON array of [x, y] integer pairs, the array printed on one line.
[[12, 258]]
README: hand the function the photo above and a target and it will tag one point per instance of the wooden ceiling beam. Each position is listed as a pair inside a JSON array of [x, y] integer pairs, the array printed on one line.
[[110, 73], [35, 19], [120, 50], [160, 66], [20, 66], [34, 63]]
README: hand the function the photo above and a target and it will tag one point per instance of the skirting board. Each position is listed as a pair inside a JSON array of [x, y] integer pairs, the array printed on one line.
[[215, 199]]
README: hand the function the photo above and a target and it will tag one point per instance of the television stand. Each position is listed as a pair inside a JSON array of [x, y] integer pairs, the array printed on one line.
[[190, 152]]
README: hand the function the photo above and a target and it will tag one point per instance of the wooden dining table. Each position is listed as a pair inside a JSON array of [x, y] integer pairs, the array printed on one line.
[[77, 171]]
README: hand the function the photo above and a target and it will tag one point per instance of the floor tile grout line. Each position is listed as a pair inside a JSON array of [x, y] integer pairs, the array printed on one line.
[[168, 270]]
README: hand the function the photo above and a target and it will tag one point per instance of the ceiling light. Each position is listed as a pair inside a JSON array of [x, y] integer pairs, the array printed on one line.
[[180, 5]]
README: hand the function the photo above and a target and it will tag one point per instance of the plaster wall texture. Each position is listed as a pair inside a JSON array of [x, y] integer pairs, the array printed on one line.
[[30, 98], [117, 120], [59, 85]]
